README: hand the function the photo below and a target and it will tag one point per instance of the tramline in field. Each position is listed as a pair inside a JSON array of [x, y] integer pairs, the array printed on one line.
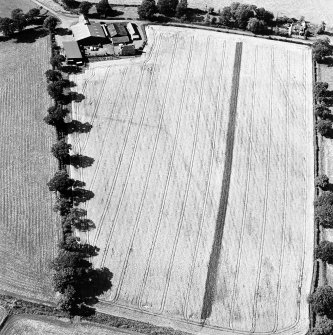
[[203, 181]]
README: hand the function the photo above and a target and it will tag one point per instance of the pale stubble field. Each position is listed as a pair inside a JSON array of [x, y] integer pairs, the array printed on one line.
[[203, 179]]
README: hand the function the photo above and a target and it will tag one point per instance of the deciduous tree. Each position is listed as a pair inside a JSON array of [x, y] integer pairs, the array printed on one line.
[[103, 7], [85, 7], [322, 181], [322, 300], [255, 26], [324, 326], [181, 8], [324, 127], [321, 48], [324, 251], [7, 26], [50, 23], [167, 7], [60, 150], [60, 182]]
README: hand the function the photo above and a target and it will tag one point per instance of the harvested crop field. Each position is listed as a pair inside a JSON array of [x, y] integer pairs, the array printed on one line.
[[203, 180], [6, 6], [33, 325], [29, 228]]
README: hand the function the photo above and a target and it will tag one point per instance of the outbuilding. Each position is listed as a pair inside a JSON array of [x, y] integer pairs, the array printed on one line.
[[72, 52], [118, 33], [127, 50], [89, 34], [133, 31]]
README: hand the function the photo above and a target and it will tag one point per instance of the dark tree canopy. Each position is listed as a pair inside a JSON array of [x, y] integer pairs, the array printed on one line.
[[60, 182], [85, 7], [57, 60], [242, 15], [322, 110], [50, 23], [55, 116], [322, 300], [181, 8], [320, 90], [255, 26], [147, 9], [53, 75], [69, 3], [7, 26], [324, 209], [322, 181], [72, 243], [103, 7], [60, 150], [19, 19], [321, 48], [324, 127], [324, 326], [167, 7], [264, 15], [226, 17], [324, 251], [62, 205]]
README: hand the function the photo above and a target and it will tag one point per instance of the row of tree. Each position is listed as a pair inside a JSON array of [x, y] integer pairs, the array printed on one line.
[[18, 21], [149, 8], [74, 276], [103, 7], [322, 299]]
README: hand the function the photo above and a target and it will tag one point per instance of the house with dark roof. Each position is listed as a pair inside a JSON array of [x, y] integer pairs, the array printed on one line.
[[118, 33], [90, 33]]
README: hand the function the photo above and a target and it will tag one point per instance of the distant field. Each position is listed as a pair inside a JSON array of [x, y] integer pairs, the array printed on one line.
[[29, 228], [313, 10], [203, 180], [31, 325], [6, 6]]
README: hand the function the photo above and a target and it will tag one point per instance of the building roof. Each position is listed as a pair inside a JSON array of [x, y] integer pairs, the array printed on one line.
[[82, 31], [83, 19], [121, 39], [132, 29], [72, 49], [117, 30]]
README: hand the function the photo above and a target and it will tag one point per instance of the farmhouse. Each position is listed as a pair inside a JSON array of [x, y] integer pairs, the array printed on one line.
[[88, 33], [133, 31], [118, 33], [72, 51]]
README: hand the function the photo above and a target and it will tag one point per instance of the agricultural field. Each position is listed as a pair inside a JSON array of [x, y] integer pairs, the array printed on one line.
[[30, 230], [313, 11], [6, 6], [203, 181], [32, 325]]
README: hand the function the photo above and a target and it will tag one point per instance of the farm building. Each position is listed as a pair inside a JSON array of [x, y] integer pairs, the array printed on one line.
[[90, 33], [127, 50], [133, 31], [72, 51], [118, 33]]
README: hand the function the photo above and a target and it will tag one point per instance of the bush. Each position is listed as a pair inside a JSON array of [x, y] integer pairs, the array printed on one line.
[[324, 127], [147, 9], [321, 48], [322, 300], [322, 181], [324, 251]]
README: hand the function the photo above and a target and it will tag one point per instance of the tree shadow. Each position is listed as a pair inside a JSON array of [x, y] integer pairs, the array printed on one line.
[[71, 69], [30, 35], [70, 97], [327, 61], [77, 126], [81, 161], [63, 31], [81, 195], [329, 187]]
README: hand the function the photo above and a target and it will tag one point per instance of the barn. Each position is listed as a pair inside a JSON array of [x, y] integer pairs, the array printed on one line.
[[133, 30], [90, 33], [118, 33], [72, 52], [127, 50]]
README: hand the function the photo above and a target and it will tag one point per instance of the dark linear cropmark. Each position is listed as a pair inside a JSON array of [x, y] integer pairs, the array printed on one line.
[[210, 287]]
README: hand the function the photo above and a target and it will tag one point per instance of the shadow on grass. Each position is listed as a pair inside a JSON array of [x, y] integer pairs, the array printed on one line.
[[81, 195], [81, 161], [30, 35], [77, 126]]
